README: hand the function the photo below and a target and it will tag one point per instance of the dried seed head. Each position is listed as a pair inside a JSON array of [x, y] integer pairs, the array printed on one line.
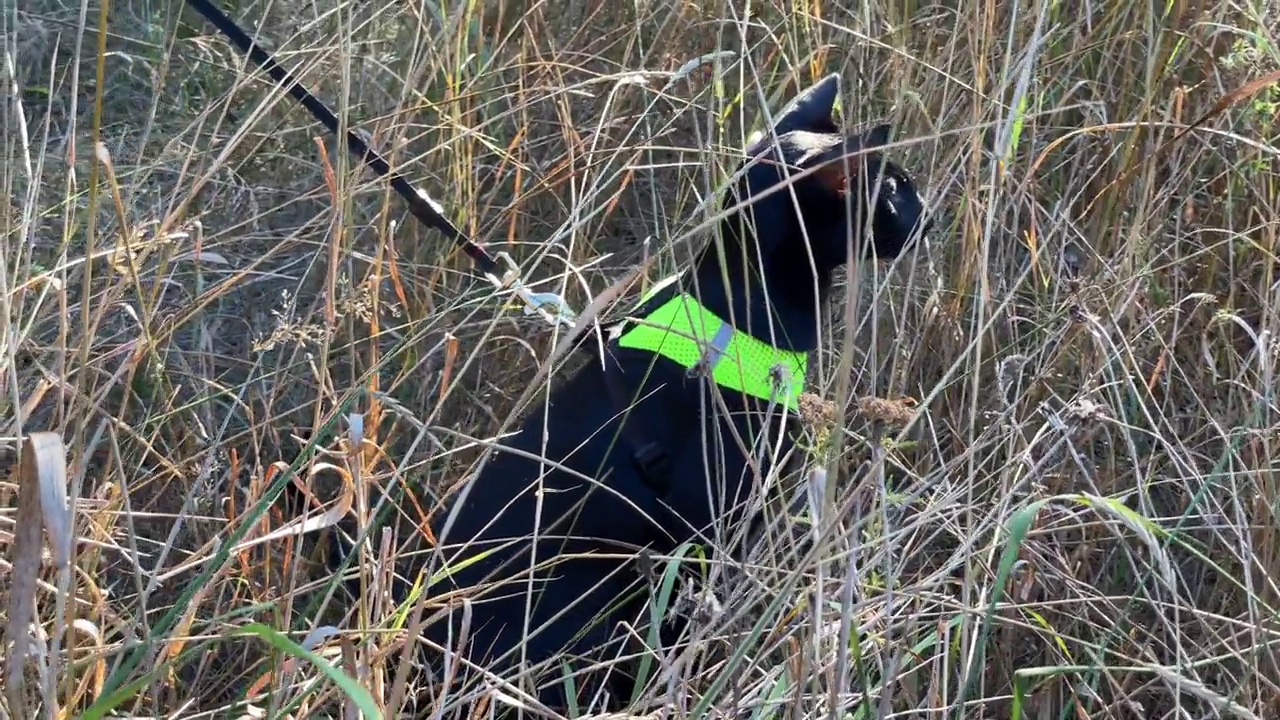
[[884, 410], [816, 412]]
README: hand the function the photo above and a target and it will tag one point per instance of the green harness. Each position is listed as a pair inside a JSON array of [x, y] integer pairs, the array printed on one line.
[[681, 329]]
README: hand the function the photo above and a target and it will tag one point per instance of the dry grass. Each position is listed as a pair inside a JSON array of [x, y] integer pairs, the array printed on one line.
[[1076, 518]]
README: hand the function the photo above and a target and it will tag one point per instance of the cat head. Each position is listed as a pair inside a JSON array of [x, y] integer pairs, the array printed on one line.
[[805, 186]]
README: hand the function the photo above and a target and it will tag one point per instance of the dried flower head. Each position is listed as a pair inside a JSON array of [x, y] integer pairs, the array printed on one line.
[[890, 412]]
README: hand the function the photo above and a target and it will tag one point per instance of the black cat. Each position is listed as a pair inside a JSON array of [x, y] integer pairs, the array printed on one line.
[[807, 198]]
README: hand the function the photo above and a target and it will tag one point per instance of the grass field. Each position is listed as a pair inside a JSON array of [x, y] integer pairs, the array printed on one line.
[[1049, 438]]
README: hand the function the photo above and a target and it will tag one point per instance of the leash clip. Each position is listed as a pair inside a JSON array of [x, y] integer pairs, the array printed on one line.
[[549, 305]]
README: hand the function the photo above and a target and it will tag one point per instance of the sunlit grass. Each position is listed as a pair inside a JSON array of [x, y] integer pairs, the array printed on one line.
[[1043, 480]]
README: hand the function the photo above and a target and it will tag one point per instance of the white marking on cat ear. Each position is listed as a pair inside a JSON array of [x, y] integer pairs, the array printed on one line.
[[812, 110]]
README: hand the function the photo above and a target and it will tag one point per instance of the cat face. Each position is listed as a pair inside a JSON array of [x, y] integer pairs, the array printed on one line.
[[805, 181]]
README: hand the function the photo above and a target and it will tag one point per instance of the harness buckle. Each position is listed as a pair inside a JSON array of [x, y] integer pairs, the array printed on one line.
[[699, 369]]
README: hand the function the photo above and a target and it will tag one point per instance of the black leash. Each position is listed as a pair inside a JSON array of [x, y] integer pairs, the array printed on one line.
[[421, 206], [650, 455]]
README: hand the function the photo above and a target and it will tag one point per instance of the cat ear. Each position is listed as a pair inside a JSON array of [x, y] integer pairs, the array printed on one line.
[[812, 110], [878, 136]]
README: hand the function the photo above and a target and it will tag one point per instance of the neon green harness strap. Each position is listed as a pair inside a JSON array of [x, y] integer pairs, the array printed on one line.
[[682, 330]]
